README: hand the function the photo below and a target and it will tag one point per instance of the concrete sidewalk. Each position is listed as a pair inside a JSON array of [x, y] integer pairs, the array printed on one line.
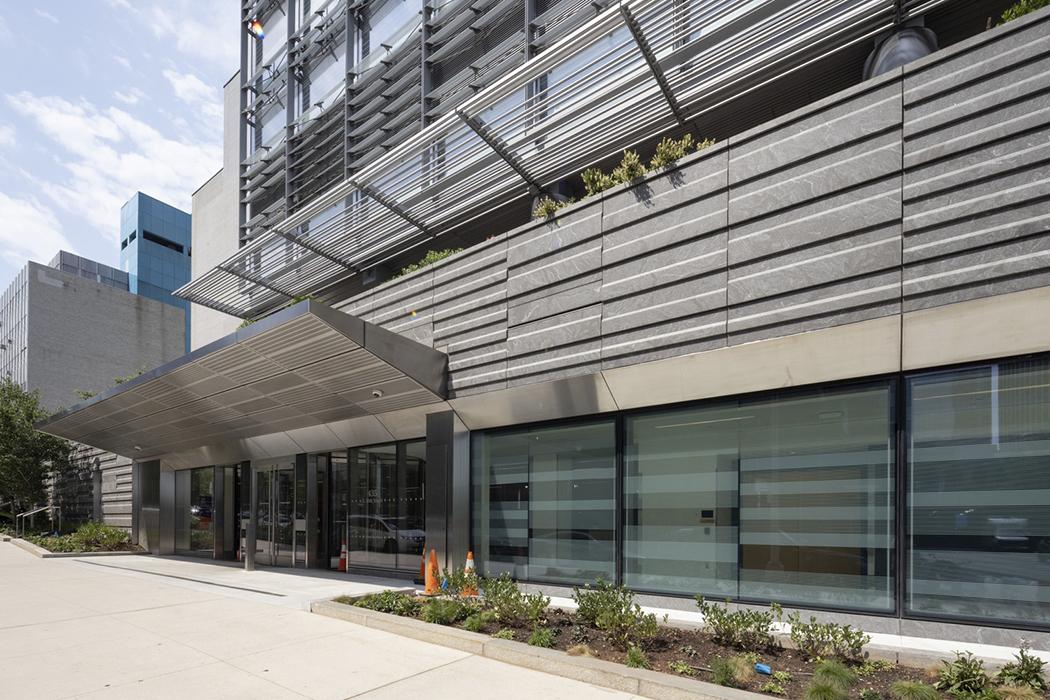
[[140, 627]]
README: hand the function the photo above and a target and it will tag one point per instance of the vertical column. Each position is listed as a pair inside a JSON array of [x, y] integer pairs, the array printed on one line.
[[166, 513], [447, 485], [218, 512], [145, 505], [313, 536], [249, 540]]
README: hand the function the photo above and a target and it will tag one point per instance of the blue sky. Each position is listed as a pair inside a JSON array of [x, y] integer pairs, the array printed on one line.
[[99, 99]]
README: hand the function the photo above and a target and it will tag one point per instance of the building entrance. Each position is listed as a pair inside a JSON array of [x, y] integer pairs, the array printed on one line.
[[280, 518]]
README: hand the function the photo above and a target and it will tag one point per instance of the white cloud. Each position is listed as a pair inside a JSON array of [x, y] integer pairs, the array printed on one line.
[[28, 230], [5, 31], [7, 135], [203, 30], [44, 14], [122, 60], [129, 97], [196, 93], [108, 155]]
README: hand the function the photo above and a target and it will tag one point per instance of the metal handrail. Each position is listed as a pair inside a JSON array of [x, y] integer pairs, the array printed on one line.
[[41, 509]]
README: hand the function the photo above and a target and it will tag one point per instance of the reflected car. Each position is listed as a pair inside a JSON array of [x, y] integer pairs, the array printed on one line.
[[395, 534]]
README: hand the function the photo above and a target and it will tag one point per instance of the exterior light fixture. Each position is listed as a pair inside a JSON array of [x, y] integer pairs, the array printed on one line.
[[137, 448], [255, 28], [377, 393]]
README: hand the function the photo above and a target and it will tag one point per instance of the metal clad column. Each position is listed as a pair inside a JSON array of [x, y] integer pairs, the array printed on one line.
[[166, 515], [218, 512], [145, 505], [447, 483], [249, 543]]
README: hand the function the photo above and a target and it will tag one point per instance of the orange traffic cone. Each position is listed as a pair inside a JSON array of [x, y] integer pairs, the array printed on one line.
[[470, 589], [432, 587], [343, 557]]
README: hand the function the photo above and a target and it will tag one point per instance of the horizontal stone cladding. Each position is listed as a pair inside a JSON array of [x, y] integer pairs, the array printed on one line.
[[977, 168], [924, 186]]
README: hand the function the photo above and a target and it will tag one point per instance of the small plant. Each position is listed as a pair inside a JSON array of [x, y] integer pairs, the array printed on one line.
[[870, 694], [546, 208], [1022, 8], [965, 676], [834, 673], [504, 634], [541, 637], [818, 640], [824, 691], [393, 602], [445, 611], [432, 256], [595, 181], [733, 672], [579, 635], [457, 582], [669, 151], [508, 603], [682, 668], [1015, 692], [1025, 670], [580, 650], [705, 143], [636, 658], [477, 621], [782, 676], [743, 628], [772, 688], [630, 168], [872, 666], [689, 651], [913, 690]]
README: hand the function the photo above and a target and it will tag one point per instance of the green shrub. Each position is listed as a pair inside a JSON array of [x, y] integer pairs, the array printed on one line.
[[394, 602], [824, 691], [636, 658], [743, 628], [782, 676], [1022, 8], [477, 621], [595, 181], [504, 634], [913, 690], [630, 168], [541, 637], [1025, 670], [89, 537], [546, 208], [682, 668], [669, 151], [733, 672], [831, 672], [705, 143], [872, 666], [772, 688], [455, 581], [612, 609], [446, 611], [429, 259], [962, 677], [818, 640], [509, 604]]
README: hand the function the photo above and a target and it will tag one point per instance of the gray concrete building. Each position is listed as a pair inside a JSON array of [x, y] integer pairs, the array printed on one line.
[[71, 327], [806, 364]]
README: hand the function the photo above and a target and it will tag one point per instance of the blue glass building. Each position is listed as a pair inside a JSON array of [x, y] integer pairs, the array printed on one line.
[[155, 250]]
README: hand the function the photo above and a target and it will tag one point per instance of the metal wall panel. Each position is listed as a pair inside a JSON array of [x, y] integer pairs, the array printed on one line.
[[146, 505]]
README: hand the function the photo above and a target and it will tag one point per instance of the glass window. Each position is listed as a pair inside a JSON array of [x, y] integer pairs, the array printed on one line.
[[545, 502], [979, 492], [788, 498]]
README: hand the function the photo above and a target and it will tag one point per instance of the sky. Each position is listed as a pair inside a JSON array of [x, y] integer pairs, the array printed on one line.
[[100, 99]]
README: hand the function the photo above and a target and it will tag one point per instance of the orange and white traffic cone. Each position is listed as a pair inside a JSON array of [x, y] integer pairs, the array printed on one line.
[[470, 589], [432, 587], [342, 557]]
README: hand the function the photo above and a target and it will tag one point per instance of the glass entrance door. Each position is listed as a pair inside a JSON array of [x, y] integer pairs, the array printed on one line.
[[277, 529]]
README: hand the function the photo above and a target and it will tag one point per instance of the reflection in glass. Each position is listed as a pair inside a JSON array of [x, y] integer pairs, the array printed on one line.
[[786, 498], [545, 502], [373, 506], [411, 515], [979, 492], [194, 515]]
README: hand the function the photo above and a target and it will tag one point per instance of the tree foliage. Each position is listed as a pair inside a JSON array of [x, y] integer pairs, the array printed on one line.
[[27, 456]]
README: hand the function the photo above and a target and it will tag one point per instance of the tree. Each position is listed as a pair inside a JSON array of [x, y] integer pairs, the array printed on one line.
[[27, 456]]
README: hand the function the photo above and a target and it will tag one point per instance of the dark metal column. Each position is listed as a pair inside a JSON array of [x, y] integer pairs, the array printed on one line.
[[145, 505], [166, 516], [312, 516], [218, 512], [447, 484]]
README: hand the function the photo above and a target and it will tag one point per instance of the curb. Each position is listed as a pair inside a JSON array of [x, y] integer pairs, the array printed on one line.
[[42, 553], [606, 674]]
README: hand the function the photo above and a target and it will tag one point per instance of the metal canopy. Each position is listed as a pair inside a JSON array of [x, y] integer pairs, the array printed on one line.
[[630, 73], [306, 365]]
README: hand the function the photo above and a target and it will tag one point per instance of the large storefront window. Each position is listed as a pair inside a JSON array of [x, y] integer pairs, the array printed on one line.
[[788, 498], [194, 511], [979, 492], [544, 502]]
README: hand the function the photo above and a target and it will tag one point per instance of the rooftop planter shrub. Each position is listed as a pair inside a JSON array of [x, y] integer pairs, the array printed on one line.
[[432, 256], [1022, 8]]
